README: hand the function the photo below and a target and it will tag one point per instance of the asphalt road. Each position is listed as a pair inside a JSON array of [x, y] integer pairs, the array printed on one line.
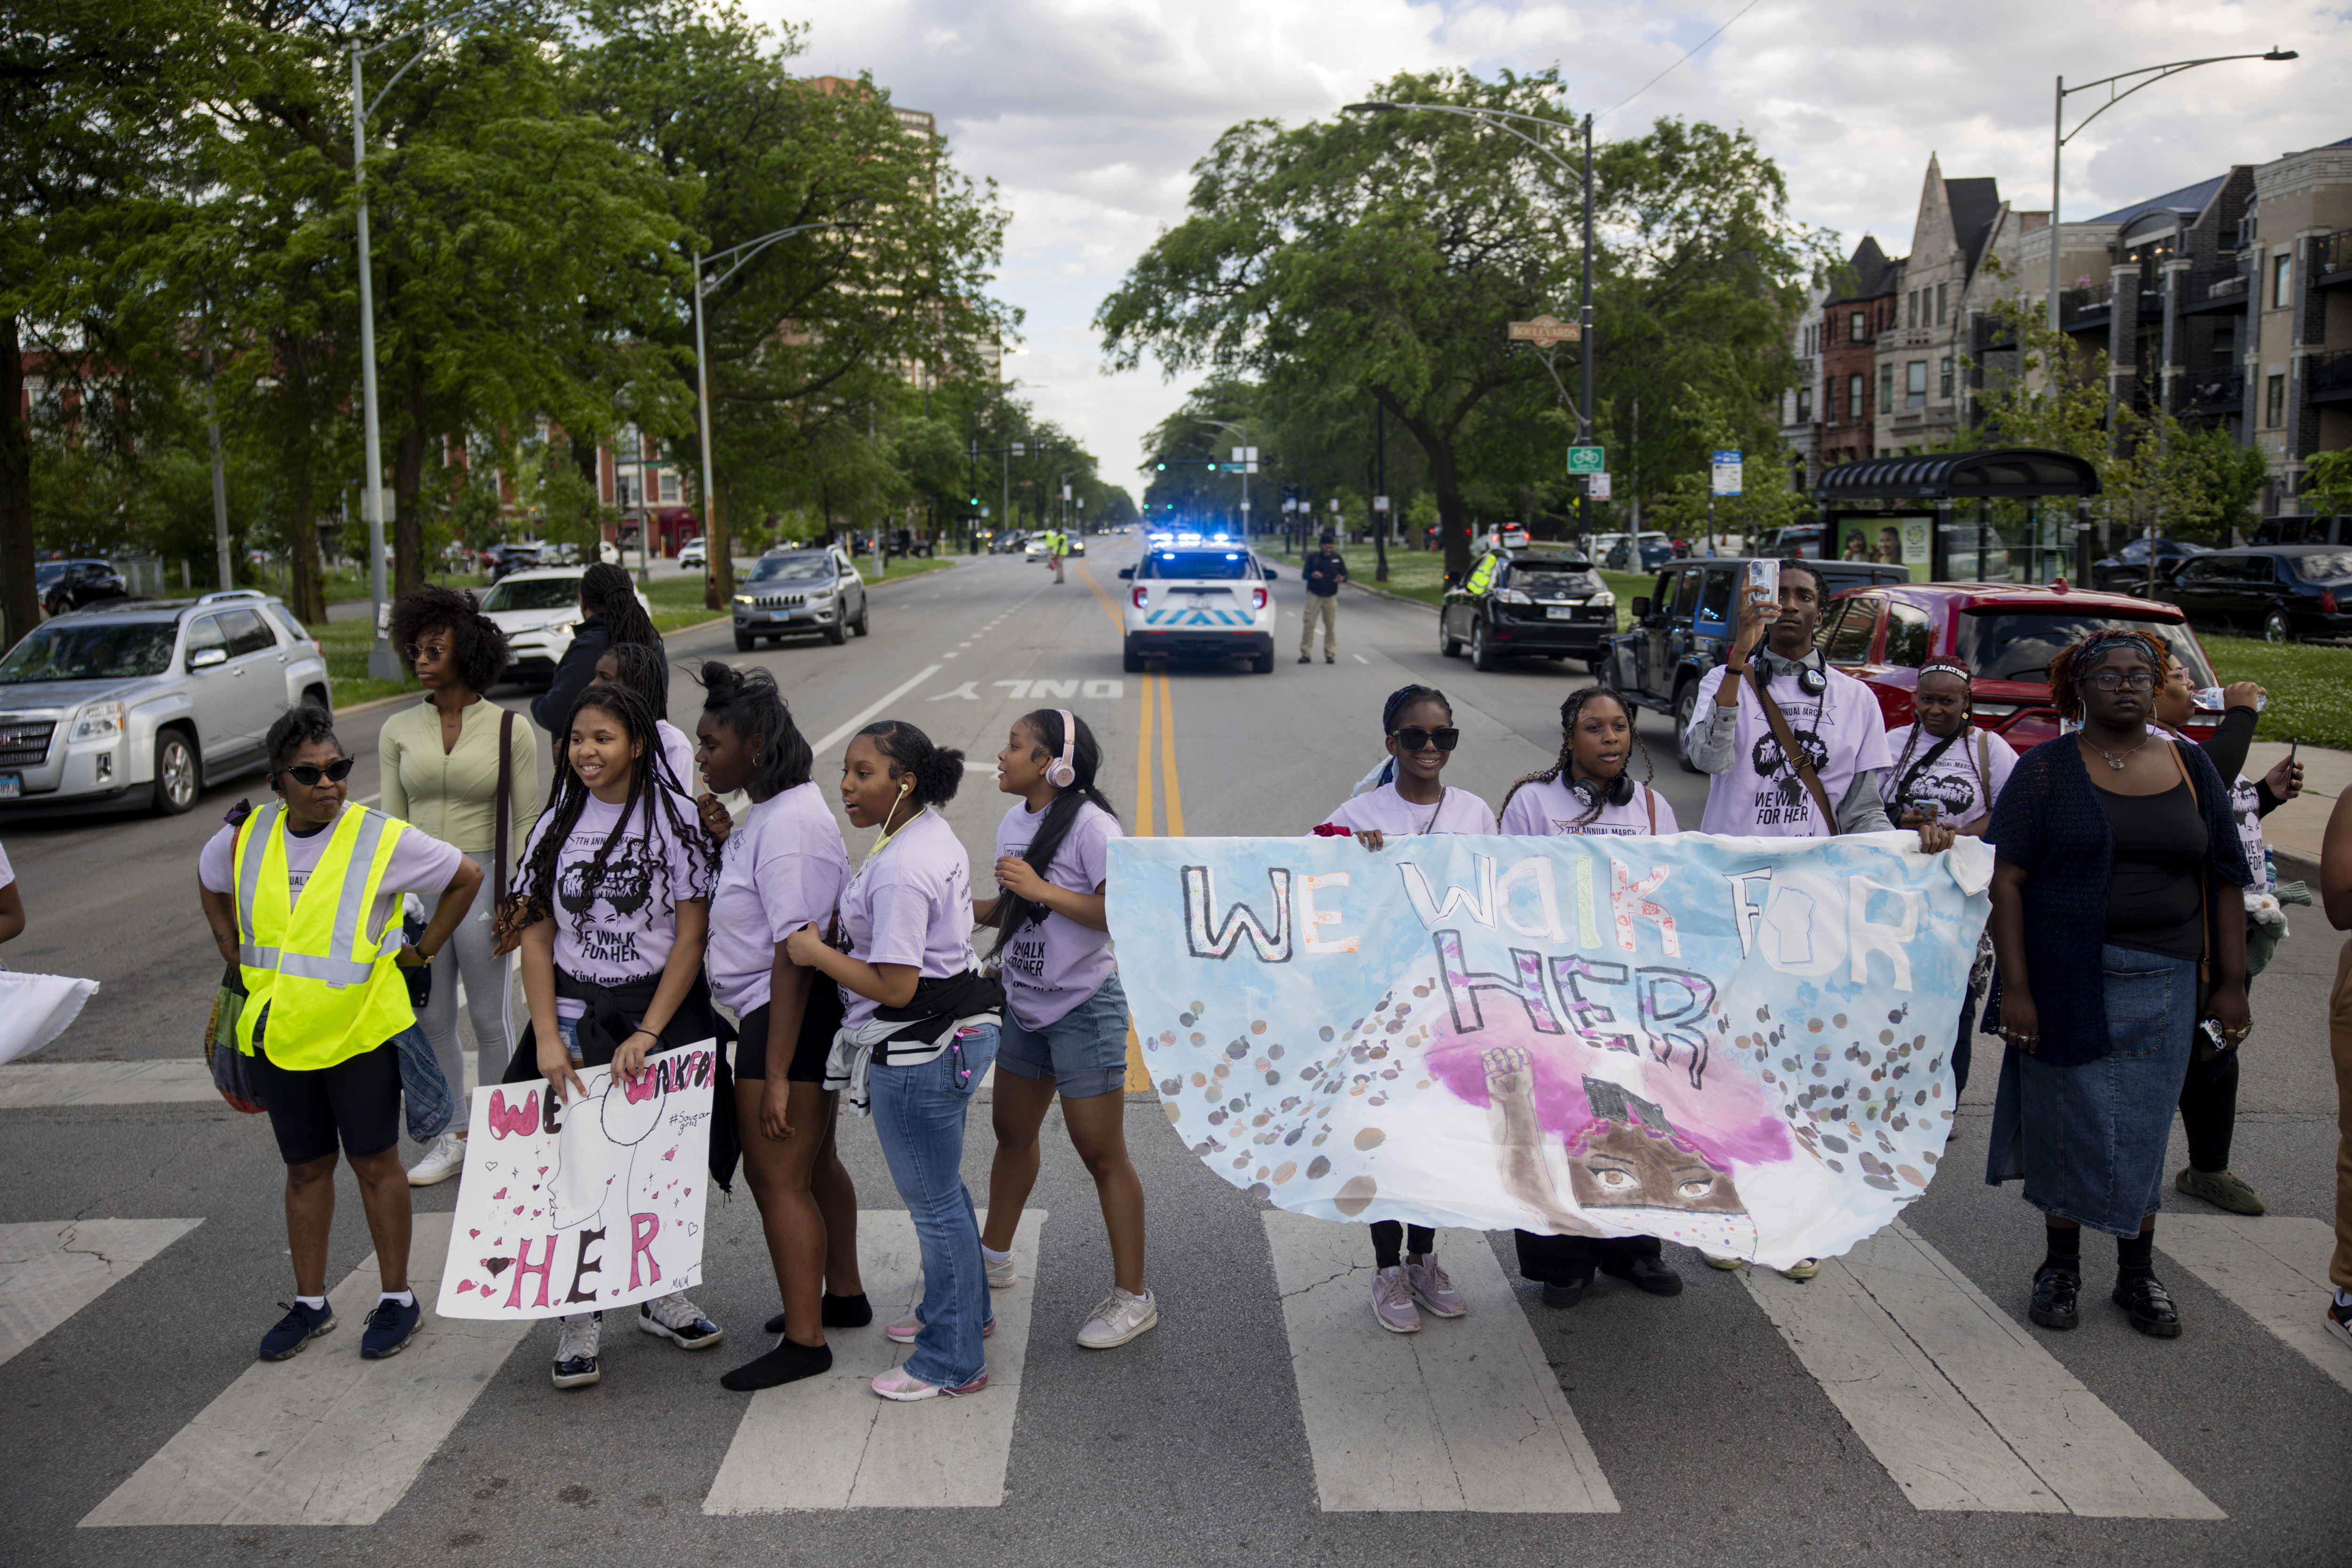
[[1228, 1435]]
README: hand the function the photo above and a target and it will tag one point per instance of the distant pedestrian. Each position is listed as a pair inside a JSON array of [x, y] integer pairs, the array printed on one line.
[[1324, 572], [609, 614]]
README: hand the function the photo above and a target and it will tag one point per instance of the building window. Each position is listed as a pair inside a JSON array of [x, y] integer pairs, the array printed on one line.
[[1911, 309], [1943, 295], [1944, 382], [1885, 393], [669, 487], [2274, 400], [2225, 343], [1915, 383], [1804, 405], [2281, 269], [1861, 327]]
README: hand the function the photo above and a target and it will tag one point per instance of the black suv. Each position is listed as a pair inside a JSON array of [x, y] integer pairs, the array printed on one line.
[[1547, 603], [70, 584], [2283, 592], [1680, 630]]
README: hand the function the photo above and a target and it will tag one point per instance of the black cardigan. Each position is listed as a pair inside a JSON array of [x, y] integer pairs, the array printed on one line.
[[2048, 820], [574, 675]]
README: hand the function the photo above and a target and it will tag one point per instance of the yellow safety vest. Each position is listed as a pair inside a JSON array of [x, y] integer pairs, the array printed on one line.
[[333, 988], [1482, 574]]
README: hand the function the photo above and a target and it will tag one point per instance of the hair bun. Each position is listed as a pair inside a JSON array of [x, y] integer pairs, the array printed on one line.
[[938, 773]]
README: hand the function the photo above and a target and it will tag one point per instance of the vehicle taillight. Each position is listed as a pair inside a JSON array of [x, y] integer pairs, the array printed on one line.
[[2327, 601], [1258, 598], [1136, 596]]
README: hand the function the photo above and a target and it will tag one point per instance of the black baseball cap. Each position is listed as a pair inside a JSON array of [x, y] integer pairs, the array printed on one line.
[[1329, 537]]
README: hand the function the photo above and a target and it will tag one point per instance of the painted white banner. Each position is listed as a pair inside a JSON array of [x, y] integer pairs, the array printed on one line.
[[591, 1205]]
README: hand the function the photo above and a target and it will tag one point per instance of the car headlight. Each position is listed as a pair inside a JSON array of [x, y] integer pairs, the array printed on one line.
[[1603, 600], [743, 598], [98, 721], [565, 626], [1512, 597]]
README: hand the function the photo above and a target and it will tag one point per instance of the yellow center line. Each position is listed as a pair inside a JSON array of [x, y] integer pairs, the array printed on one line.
[[1138, 1079], [1175, 806]]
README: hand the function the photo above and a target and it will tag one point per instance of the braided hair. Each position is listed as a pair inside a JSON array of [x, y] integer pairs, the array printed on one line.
[[937, 770], [643, 670], [1402, 698], [649, 786], [1012, 914], [1563, 765], [2067, 671], [746, 701], [1905, 772], [605, 590]]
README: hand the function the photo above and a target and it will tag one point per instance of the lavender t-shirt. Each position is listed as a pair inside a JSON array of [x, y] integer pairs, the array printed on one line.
[[1549, 807], [625, 928], [1052, 966], [1389, 813], [1841, 732], [910, 904], [420, 864], [677, 750], [1952, 778], [782, 868]]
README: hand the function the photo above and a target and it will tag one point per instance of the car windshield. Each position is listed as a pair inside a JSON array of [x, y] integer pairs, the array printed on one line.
[[49, 572], [1548, 579], [90, 650], [1196, 565], [791, 569], [2018, 645], [2331, 566], [533, 594]]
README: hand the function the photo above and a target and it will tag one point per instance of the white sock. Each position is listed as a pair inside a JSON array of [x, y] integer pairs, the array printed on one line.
[[1142, 1295], [316, 1303], [992, 1254], [405, 1298]]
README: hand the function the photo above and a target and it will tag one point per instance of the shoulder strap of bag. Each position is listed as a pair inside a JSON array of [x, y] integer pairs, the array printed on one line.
[[1788, 748], [1650, 799], [506, 780]]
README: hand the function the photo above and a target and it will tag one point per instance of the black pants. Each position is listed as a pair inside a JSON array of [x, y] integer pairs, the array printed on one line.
[[2209, 1111], [1564, 1259]]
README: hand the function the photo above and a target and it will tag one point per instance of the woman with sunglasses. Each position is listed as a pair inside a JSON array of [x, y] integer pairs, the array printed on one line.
[[1408, 796], [2115, 853], [441, 760]]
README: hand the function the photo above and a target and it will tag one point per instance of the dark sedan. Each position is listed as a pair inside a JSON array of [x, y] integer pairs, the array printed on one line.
[[71, 584], [2283, 592], [2126, 572], [1551, 606]]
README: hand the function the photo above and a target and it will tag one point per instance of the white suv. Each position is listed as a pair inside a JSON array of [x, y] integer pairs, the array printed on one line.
[[1200, 601]]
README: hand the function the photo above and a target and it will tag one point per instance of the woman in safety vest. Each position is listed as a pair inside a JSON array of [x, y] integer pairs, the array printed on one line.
[[303, 896]]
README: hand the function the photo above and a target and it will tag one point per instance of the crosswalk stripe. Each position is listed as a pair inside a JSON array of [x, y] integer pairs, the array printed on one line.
[[1466, 1416], [828, 1443], [2273, 1269], [50, 1270], [325, 1438], [1959, 1403]]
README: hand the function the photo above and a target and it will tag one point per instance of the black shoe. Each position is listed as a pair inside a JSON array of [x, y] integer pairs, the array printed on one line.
[[2056, 1292], [1304, 659], [834, 1312], [1330, 658], [1565, 1293], [2150, 1306], [296, 1329], [788, 1362], [1649, 1274], [389, 1328]]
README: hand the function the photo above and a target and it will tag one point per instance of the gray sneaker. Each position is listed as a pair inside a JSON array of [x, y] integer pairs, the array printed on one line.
[[679, 1321], [1392, 1301], [1434, 1289], [2220, 1189], [576, 1343], [1001, 1275]]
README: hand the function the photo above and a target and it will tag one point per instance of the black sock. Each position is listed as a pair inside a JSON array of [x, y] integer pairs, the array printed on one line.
[[788, 1362], [2136, 1256], [2066, 1249], [1419, 1240], [1388, 1244], [843, 1311]]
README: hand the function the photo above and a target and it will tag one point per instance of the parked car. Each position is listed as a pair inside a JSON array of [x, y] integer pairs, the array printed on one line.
[[569, 554], [1510, 536], [1797, 541], [2126, 572], [1679, 630], [72, 585], [693, 552], [502, 561], [2303, 531], [1639, 552], [1551, 603], [2285, 591], [1882, 633], [143, 702], [1203, 601], [794, 592], [539, 609]]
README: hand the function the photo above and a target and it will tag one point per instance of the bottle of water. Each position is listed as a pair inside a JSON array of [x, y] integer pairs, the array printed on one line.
[[2208, 700]]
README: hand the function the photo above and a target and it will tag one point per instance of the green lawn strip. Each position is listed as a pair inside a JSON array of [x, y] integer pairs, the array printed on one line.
[[1420, 575], [2307, 686]]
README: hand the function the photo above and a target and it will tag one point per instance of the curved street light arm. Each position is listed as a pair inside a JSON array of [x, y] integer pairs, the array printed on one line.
[[2150, 74], [752, 247], [1498, 118], [438, 25]]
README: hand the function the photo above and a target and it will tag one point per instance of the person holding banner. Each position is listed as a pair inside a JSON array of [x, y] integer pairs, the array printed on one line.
[[918, 1031], [1408, 796], [1591, 789], [2116, 853], [612, 910], [324, 1001], [1066, 1024], [781, 867]]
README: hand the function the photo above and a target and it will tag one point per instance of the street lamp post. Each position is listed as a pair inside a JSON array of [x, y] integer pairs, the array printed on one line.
[[2117, 93], [712, 544]]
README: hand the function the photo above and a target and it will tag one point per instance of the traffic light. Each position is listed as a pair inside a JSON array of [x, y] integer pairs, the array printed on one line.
[[1161, 467]]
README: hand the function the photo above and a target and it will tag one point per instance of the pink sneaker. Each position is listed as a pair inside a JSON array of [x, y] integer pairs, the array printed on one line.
[[1433, 1290], [1392, 1301], [903, 1331], [897, 1384]]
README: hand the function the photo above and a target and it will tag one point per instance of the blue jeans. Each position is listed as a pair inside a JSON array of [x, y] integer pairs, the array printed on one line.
[[918, 1115]]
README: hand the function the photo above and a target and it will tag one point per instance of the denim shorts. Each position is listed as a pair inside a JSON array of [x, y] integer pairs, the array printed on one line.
[[1084, 1051]]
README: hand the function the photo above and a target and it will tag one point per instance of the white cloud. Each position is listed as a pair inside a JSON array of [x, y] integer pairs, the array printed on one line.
[[1090, 114]]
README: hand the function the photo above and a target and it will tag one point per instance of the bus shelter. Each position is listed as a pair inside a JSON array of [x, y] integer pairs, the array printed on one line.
[[2016, 515]]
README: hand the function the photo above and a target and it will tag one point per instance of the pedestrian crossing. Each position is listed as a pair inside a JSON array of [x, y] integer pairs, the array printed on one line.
[[1961, 1406]]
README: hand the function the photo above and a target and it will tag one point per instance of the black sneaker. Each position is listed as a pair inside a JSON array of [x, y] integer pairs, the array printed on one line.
[[2339, 1319], [2057, 1294], [1304, 659], [297, 1329], [1565, 1292], [577, 1341], [2150, 1306], [833, 1311], [1649, 1274], [389, 1328]]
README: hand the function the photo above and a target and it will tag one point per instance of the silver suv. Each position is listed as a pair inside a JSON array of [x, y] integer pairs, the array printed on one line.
[[142, 702], [791, 593]]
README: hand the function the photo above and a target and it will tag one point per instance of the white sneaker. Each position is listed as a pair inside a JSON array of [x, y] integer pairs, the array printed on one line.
[[577, 1341], [679, 1321], [1118, 1319], [1002, 1276], [441, 1162]]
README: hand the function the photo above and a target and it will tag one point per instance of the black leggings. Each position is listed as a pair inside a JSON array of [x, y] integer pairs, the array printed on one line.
[[2209, 1111], [1392, 1241]]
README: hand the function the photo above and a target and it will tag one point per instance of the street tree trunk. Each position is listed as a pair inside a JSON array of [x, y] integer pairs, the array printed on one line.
[[407, 533], [20, 605]]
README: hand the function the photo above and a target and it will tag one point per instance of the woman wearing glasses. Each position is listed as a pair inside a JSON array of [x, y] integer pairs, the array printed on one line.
[[2114, 851], [442, 761], [1407, 795]]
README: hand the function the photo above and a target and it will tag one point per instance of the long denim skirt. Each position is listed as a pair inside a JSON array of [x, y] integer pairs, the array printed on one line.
[[2089, 1141]]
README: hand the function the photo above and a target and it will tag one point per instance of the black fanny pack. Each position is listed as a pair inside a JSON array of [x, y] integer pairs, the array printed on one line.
[[935, 1007]]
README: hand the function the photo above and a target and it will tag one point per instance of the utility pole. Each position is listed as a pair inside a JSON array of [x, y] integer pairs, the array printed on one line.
[[1584, 342]]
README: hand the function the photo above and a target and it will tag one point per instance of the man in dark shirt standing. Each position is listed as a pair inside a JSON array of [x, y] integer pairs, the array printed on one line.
[[1324, 572]]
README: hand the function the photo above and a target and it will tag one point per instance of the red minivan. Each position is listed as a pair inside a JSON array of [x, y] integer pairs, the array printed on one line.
[[2006, 634]]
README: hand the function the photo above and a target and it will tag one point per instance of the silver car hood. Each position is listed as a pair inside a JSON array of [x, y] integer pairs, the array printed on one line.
[[35, 695]]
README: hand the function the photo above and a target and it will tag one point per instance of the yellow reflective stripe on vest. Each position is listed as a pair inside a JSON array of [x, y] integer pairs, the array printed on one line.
[[260, 825]]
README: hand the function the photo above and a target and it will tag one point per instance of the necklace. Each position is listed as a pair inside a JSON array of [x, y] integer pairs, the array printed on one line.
[[2115, 760]]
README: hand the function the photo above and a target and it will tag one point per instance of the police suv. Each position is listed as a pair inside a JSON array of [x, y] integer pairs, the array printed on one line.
[[1200, 601]]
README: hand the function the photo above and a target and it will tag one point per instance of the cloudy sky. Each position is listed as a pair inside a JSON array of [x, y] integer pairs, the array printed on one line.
[[1090, 114]]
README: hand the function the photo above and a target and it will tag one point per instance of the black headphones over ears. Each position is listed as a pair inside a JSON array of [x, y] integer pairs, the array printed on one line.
[[1618, 791]]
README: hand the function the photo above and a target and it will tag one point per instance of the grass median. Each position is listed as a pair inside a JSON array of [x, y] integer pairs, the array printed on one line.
[[2306, 684], [1420, 575]]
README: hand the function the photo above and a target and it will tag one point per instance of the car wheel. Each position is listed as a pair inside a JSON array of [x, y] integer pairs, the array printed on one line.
[[834, 635], [1686, 707], [1447, 646], [1482, 652], [177, 779], [1132, 661], [1263, 664], [2276, 628], [743, 641], [859, 625]]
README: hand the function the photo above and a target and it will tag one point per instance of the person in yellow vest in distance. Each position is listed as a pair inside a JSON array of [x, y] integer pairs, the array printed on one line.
[[304, 897], [1058, 544]]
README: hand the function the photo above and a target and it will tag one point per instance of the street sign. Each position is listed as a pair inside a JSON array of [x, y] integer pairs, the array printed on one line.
[[1596, 486], [1379, 503], [1546, 330], [1727, 474], [1586, 460]]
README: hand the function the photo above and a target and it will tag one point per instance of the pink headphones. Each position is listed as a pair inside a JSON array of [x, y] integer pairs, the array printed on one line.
[[1062, 776]]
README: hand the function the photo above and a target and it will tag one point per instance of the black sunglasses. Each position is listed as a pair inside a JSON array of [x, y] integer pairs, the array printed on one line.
[[334, 772], [1413, 738]]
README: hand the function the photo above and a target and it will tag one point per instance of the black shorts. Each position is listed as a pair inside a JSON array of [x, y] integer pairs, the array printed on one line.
[[356, 1101], [820, 1021]]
